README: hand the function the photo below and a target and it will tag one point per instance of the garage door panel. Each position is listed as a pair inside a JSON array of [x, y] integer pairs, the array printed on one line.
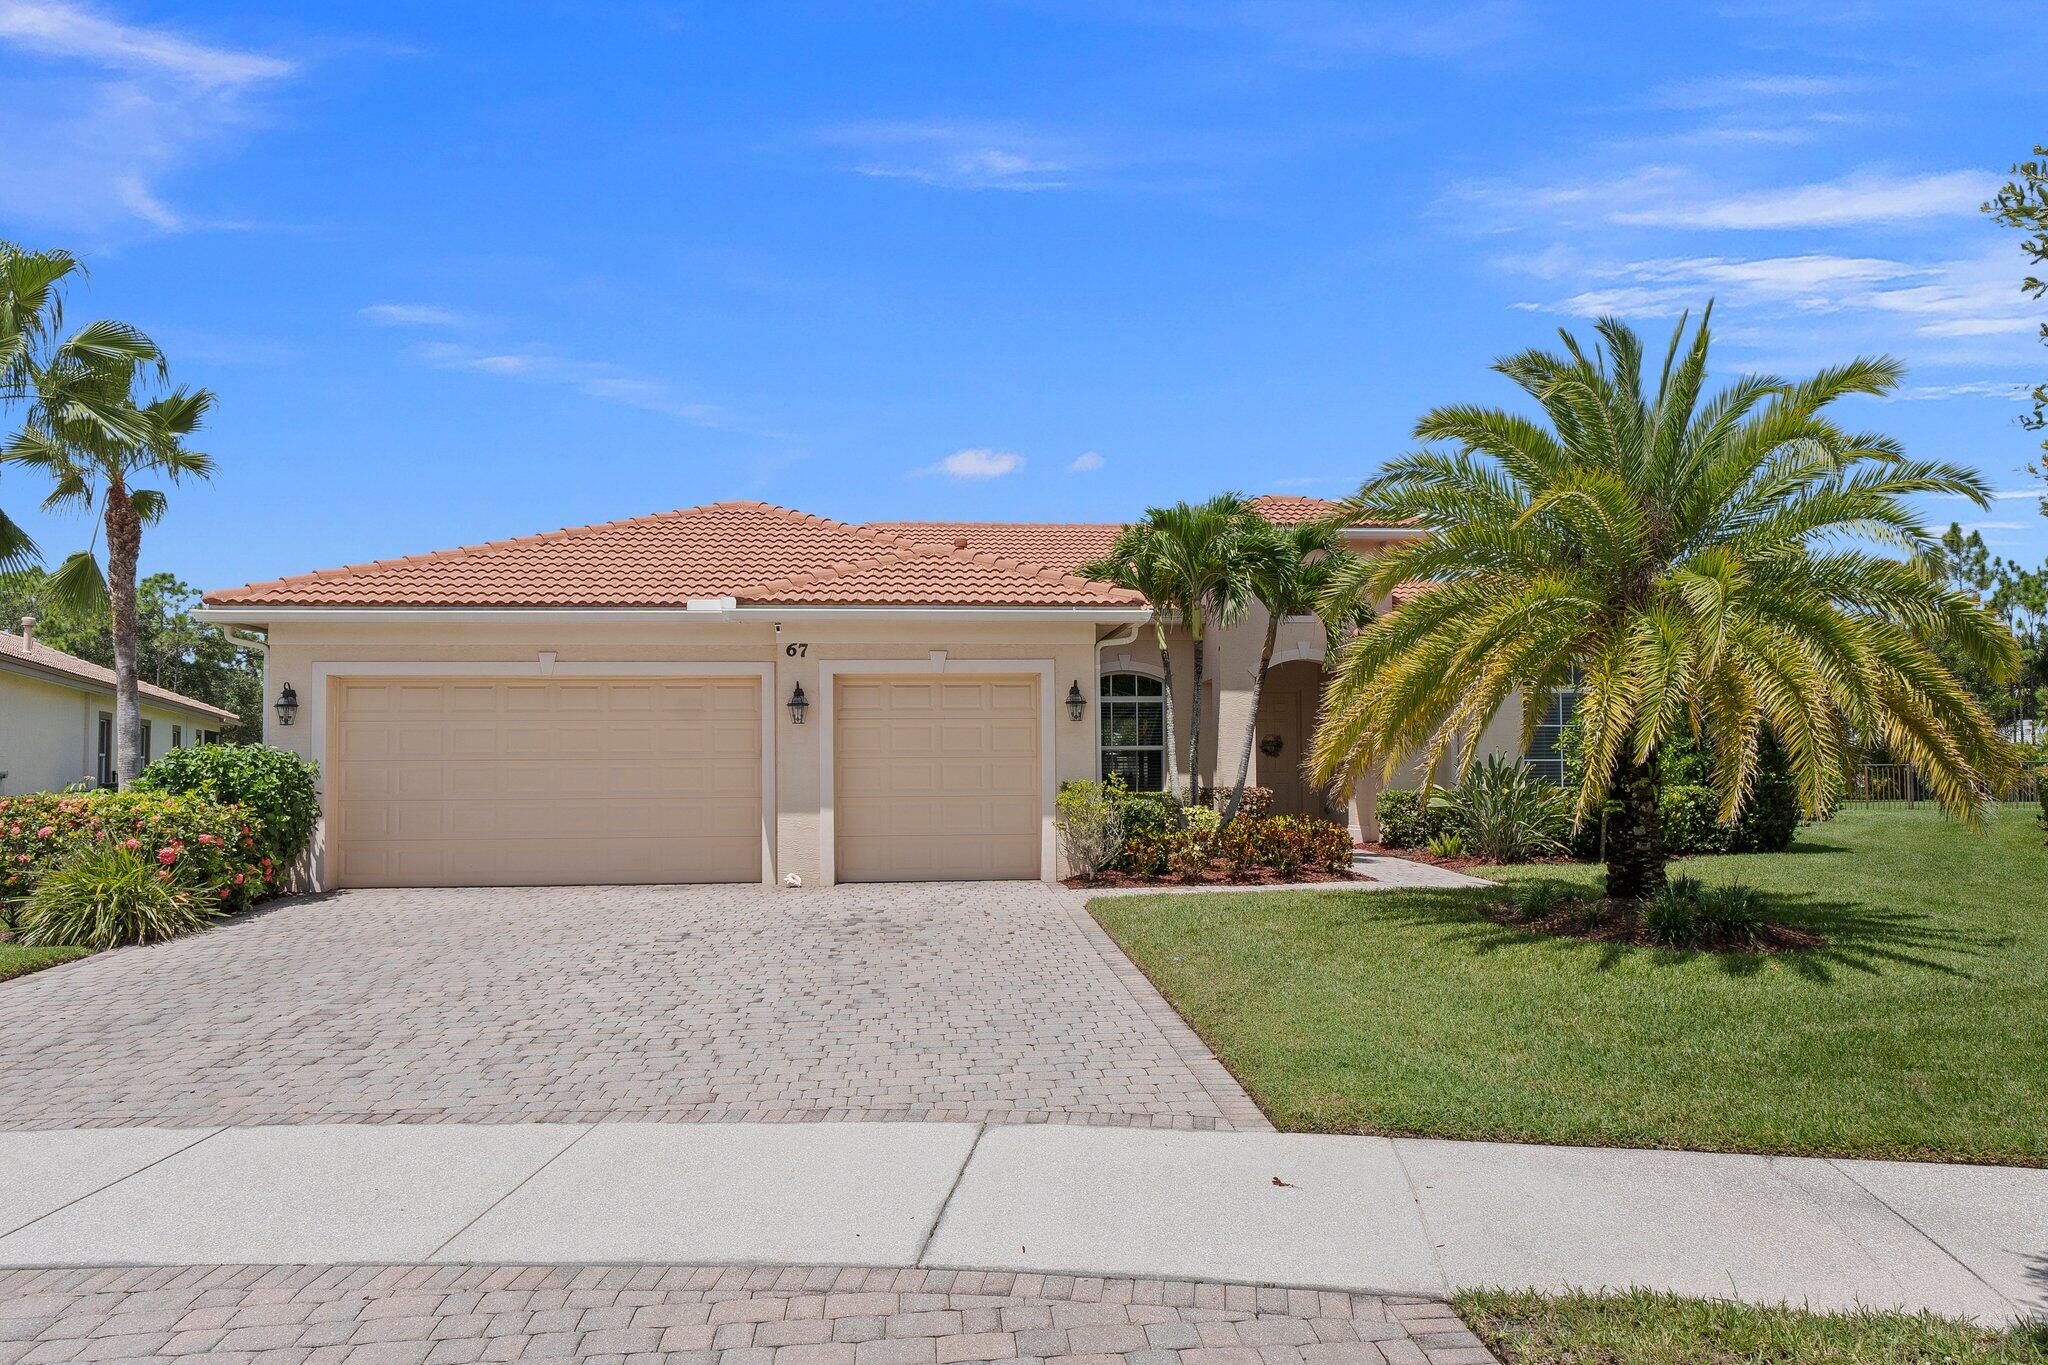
[[545, 782], [936, 779]]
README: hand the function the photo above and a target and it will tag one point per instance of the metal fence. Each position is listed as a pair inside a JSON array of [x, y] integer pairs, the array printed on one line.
[[1896, 784]]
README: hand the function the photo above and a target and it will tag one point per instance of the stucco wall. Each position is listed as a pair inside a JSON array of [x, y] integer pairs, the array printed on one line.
[[49, 731], [302, 652]]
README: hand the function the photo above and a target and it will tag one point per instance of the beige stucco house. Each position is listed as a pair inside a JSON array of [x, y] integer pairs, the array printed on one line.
[[57, 717], [740, 692]]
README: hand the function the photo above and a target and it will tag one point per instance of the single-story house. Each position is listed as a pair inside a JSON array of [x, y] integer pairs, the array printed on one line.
[[741, 692], [57, 717]]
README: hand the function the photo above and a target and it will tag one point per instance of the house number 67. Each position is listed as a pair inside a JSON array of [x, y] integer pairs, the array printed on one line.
[[796, 651]]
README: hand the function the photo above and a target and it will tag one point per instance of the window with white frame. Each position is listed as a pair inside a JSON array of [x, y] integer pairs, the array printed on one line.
[[1544, 754], [1134, 730]]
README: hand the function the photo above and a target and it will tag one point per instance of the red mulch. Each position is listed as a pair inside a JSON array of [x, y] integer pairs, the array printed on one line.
[[1213, 877], [1604, 921]]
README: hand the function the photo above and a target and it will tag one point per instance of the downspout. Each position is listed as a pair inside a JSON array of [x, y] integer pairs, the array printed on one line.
[[262, 648], [1122, 635]]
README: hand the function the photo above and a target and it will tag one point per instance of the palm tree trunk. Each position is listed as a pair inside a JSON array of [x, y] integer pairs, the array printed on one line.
[[1172, 774], [1635, 835], [124, 548], [1195, 731], [1251, 724]]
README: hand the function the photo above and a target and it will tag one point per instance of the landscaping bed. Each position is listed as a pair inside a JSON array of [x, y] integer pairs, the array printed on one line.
[[1912, 1031], [1258, 876]]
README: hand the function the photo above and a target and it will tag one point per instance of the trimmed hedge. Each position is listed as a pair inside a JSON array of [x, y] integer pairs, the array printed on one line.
[[1408, 821]]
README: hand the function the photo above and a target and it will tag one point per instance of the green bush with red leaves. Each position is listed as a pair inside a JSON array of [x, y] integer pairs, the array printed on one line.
[[212, 851], [1285, 845]]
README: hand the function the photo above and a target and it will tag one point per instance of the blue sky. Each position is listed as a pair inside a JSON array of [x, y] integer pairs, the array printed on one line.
[[460, 270]]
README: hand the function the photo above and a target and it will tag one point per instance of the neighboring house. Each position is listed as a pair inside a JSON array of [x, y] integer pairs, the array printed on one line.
[[740, 692], [57, 717]]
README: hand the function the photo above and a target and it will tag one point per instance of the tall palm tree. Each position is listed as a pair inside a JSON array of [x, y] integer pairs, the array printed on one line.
[[31, 315], [1293, 569], [1713, 568], [1204, 552], [1134, 563], [92, 433]]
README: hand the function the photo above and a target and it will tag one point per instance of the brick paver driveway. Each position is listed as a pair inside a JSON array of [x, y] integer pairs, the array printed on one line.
[[992, 1001]]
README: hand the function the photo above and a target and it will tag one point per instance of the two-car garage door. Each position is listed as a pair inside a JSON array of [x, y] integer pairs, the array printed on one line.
[[497, 782]]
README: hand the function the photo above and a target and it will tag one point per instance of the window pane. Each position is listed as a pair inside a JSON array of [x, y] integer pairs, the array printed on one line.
[[1141, 769]]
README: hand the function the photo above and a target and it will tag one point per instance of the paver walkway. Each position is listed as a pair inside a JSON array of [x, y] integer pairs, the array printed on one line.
[[454, 1314], [994, 1002]]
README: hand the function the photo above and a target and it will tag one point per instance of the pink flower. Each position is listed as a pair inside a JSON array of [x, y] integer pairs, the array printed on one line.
[[223, 893], [131, 844], [238, 879], [45, 832], [207, 839], [167, 856]]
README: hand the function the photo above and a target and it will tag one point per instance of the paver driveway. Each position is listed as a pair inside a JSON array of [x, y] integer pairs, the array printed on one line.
[[992, 1001]]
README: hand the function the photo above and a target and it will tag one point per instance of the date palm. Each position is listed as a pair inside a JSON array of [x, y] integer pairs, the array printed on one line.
[[1293, 569], [1722, 569], [91, 431]]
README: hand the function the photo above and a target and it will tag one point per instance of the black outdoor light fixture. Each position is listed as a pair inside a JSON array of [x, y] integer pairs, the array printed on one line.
[[1076, 703], [798, 704], [287, 705]]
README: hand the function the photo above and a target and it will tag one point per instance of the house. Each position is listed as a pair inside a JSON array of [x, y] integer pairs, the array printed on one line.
[[741, 692], [57, 717]]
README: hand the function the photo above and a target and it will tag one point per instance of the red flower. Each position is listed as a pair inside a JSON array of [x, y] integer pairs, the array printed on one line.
[[45, 832], [167, 856], [131, 844], [238, 879]]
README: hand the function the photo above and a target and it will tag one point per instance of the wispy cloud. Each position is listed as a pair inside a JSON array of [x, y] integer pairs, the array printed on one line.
[[959, 155], [413, 315], [1751, 88], [98, 112], [592, 378], [1086, 462], [976, 463], [1976, 388], [1865, 197]]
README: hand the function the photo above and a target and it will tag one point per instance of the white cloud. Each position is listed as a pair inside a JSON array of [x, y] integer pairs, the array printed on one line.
[[963, 156], [1975, 388], [1865, 197], [413, 315], [976, 463], [1748, 90], [591, 378], [98, 113], [1086, 461]]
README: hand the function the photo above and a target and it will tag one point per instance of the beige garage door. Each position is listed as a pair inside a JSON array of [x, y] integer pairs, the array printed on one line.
[[936, 778], [481, 782]]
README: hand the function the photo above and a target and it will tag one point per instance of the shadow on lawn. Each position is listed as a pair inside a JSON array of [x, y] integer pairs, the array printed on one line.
[[1859, 938]]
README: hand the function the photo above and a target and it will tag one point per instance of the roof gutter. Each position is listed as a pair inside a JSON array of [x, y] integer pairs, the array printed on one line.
[[715, 609]]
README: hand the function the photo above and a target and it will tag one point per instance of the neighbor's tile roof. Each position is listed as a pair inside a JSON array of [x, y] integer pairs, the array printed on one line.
[[1055, 544], [1284, 509], [70, 666], [751, 551]]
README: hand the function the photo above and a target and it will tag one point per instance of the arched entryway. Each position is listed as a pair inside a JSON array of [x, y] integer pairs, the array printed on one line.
[[1286, 724]]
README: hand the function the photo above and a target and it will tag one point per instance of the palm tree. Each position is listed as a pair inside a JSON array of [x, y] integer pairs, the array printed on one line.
[[1133, 562], [1713, 569], [88, 430], [1293, 569], [31, 314], [1204, 552]]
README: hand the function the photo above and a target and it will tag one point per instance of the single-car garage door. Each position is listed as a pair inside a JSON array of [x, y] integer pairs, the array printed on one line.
[[936, 778], [537, 782]]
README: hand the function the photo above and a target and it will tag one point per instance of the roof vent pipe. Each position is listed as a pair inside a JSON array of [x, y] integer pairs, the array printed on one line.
[[28, 632]]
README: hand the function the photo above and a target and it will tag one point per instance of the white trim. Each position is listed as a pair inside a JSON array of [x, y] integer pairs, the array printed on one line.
[[1124, 663], [1048, 776], [324, 671], [258, 616], [1296, 653]]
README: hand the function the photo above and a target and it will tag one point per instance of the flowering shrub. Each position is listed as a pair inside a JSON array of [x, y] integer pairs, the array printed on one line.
[[273, 785], [106, 894], [211, 851]]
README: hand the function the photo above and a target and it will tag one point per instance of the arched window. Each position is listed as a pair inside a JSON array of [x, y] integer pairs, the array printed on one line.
[[1134, 730]]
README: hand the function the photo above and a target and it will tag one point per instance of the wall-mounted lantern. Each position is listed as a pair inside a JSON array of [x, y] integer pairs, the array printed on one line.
[[287, 705], [798, 704], [1076, 703]]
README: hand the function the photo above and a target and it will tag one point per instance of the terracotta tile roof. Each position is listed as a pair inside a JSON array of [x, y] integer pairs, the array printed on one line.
[[1405, 593], [1055, 544], [751, 551], [1284, 509], [69, 666]]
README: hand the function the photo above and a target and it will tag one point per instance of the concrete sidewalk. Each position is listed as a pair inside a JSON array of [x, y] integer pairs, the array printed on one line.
[[1364, 1214]]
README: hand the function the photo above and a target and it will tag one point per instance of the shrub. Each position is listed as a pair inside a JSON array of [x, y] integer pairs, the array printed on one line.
[[213, 850], [1257, 800], [1147, 813], [1730, 914], [1672, 916], [1449, 844], [1090, 821], [105, 894], [1406, 820], [1692, 820], [1770, 817], [1541, 900], [1284, 844], [1507, 812], [273, 785], [1202, 820]]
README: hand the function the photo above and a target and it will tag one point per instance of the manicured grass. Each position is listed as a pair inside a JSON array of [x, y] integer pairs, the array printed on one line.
[[1643, 1328], [1917, 1031], [19, 961]]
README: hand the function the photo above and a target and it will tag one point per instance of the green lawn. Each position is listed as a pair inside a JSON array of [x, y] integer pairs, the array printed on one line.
[[1918, 1031], [18, 961], [1643, 1328]]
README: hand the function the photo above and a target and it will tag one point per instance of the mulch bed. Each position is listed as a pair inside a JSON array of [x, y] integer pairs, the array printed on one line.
[[1261, 877], [1604, 921]]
